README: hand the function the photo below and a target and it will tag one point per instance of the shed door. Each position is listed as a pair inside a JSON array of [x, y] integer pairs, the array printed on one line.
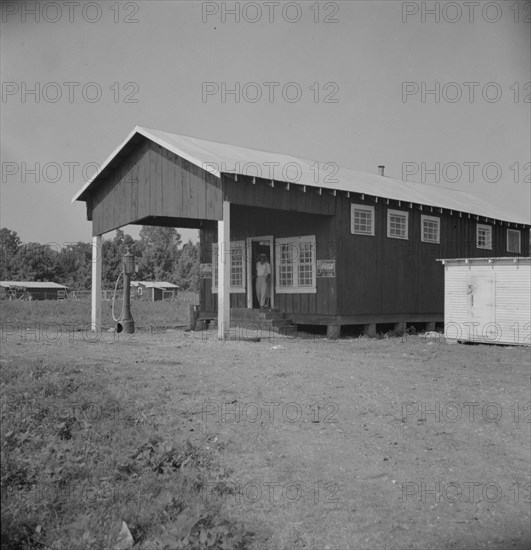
[[481, 294]]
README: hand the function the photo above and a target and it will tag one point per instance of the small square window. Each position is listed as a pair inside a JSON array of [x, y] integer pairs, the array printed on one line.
[[513, 241], [361, 219], [484, 236], [397, 224], [431, 229]]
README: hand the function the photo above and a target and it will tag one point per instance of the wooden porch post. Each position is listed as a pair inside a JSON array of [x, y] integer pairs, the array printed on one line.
[[97, 261], [400, 328], [224, 272]]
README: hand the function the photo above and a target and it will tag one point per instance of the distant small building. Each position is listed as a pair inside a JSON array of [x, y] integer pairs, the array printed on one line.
[[155, 291], [32, 290], [488, 300]]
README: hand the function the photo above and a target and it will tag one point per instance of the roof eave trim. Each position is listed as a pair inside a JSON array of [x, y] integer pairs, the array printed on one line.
[[78, 196]]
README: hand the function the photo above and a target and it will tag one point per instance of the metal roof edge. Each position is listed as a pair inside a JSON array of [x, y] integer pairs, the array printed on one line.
[[487, 260], [489, 212], [32, 284], [104, 165], [434, 205], [147, 134]]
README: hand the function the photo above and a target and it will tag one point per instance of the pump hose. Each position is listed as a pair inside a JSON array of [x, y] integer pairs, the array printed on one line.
[[116, 320]]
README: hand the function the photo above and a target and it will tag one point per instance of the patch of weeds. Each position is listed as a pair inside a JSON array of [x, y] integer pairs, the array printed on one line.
[[19, 534], [76, 460], [167, 457], [65, 429], [37, 370], [17, 472], [196, 528], [213, 531]]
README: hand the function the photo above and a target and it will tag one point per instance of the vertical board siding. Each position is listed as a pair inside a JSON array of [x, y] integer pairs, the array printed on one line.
[[262, 195], [125, 203], [374, 274], [506, 319], [201, 192], [210, 196], [382, 275], [255, 222], [153, 182], [513, 302], [174, 192], [133, 210], [179, 184], [188, 195], [168, 203], [144, 184], [156, 183]]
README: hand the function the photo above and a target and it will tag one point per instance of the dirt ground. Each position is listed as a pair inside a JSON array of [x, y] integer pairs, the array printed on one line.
[[357, 443]]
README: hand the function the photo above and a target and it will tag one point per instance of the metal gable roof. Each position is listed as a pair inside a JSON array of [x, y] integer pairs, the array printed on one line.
[[31, 284], [219, 158], [154, 284]]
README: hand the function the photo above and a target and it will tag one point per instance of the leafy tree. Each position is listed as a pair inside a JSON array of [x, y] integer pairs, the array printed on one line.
[[9, 240], [159, 252], [35, 262], [157, 255], [9, 245], [187, 271], [74, 266]]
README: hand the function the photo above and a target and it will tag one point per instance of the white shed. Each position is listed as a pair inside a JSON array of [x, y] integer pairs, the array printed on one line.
[[488, 300]]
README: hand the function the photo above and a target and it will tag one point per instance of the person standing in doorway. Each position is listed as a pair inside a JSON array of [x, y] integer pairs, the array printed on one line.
[[263, 280]]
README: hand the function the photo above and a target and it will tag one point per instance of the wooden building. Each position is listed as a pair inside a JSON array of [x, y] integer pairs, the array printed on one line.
[[488, 300], [155, 291], [345, 247], [32, 290]]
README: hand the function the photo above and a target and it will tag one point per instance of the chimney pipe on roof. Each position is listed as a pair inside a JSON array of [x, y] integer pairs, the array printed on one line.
[[381, 169]]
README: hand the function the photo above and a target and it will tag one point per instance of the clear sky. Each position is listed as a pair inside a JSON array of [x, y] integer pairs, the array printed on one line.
[[362, 82]]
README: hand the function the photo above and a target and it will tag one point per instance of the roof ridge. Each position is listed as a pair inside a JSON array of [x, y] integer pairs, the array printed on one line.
[[212, 155], [392, 178]]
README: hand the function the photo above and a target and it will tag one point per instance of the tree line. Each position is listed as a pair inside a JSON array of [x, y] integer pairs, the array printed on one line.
[[159, 256]]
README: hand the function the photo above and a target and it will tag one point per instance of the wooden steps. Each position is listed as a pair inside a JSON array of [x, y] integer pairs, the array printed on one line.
[[271, 320], [247, 320]]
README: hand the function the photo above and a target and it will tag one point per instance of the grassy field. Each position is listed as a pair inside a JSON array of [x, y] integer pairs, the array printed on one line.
[[80, 456], [76, 314], [176, 440]]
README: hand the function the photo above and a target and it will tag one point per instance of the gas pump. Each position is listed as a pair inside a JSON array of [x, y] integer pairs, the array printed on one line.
[[125, 320]]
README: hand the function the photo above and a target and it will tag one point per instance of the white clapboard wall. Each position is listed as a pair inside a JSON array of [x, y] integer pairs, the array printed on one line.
[[488, 300]]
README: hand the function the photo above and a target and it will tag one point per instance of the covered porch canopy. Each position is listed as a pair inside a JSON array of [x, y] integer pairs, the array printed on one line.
[[165, 179], [157, 178]]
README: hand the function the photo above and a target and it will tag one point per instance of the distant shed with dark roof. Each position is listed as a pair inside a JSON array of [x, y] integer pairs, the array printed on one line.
[[155, 291], [32, 290]]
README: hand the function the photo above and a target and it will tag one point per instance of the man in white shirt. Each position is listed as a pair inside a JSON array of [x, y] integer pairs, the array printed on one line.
[[263, 279]]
